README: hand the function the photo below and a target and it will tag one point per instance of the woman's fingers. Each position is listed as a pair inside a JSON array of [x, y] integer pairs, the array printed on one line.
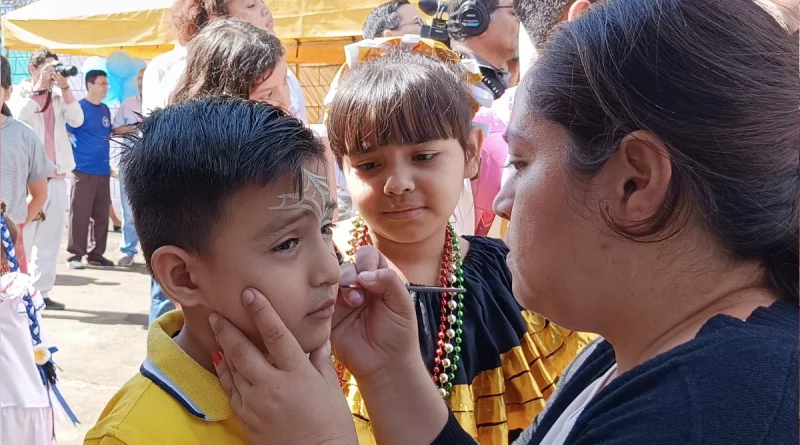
[[242, 356], [223, 373], [351, 297], [386, 284], [225, 377], [281, 345], [321, 359], [369, 258]]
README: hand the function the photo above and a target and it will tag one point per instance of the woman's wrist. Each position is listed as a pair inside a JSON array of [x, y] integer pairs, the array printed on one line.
[[404, 405]]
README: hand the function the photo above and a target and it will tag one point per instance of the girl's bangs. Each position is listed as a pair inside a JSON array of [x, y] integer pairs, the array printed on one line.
[[395, 110]]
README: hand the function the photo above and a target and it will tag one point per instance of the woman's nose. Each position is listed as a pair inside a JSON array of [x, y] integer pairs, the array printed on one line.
[[504, 201]]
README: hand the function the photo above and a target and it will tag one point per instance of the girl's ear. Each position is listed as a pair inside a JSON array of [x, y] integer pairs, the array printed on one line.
[[473, 154]]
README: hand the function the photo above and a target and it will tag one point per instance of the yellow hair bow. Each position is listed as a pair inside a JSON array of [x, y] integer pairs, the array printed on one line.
[[367, 50]]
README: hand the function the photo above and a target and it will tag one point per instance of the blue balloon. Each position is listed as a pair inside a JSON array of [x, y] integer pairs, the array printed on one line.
[[138, 65], [131, 87], [120, 64]]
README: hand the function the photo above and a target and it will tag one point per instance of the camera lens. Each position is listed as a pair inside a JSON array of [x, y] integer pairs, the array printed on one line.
[[66, 70]]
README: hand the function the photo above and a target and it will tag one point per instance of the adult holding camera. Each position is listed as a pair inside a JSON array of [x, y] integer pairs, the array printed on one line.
[[651, 202], [45, 102]]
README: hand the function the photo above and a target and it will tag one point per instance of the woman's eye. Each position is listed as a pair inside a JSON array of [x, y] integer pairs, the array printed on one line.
[[426, 157], [288, 245], [516, 164], [367, 166]]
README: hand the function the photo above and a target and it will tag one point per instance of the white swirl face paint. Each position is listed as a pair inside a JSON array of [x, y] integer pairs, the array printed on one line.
[[316, 197]]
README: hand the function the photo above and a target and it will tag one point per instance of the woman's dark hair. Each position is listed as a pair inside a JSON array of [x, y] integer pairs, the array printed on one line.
[[190, 16], [717, 82], [402, 97], [227, 58], [5, 82]]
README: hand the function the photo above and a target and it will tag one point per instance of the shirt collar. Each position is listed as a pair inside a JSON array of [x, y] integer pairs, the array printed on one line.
[[169, 367]]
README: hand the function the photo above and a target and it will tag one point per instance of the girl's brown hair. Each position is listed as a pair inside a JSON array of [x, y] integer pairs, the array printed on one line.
[[227, 58], [400, 98]]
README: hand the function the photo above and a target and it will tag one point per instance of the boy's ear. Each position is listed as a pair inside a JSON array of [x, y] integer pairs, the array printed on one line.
[[473, 164], [174, 269]]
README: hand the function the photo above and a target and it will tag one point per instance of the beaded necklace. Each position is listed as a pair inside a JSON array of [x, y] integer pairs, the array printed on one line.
[[448, 341]]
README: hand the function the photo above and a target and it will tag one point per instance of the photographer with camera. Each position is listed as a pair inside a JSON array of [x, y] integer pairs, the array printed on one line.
[[48, 110]]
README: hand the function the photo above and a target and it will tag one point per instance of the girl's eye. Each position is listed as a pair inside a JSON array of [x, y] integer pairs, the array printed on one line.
[[367, 166], [426, 157], [289, 245]]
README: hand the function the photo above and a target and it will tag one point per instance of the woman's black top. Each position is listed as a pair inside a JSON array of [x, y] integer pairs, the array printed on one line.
[[736, 382]]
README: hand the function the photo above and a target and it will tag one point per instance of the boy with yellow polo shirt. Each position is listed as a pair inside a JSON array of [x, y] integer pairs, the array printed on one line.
[[226, 195]]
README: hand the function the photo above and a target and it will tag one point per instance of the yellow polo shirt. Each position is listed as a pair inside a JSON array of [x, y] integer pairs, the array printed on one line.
[[172, 401]]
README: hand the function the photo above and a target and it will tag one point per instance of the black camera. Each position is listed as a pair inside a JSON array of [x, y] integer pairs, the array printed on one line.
[[66, 70], [438, 28], [437, 31]]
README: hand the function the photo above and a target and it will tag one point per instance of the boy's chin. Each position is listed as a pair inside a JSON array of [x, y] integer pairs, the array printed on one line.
[[315, 340]]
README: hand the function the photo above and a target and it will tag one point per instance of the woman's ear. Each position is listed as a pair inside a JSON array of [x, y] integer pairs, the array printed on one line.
[[473, 155], [174, 269], [636, 180]]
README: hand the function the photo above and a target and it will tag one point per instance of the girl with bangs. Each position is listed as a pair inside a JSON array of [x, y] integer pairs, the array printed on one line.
[[400, 127]]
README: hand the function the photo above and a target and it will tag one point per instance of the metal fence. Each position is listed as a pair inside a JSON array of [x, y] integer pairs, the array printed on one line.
[[7, 6], [18, 59]]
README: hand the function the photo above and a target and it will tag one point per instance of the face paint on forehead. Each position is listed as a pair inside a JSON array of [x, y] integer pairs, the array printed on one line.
[[316, 196]]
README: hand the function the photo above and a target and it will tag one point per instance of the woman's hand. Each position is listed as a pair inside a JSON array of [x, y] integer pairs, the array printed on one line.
[[375, 335], [374, 327], [288, 399]]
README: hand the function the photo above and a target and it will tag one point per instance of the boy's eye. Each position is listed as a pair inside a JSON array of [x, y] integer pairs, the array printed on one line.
[[425, 157], [327, 229], [288, 245], [367, 166]]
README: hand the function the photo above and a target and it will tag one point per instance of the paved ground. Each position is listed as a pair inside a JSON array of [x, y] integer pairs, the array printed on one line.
[[101, 336]]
